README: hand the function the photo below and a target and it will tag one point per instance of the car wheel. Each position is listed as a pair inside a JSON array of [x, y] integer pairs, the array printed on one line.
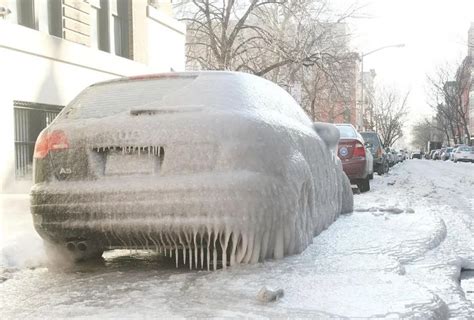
[[71, 252], [455, 160], [371, 176], [383, 169], [364, 185]]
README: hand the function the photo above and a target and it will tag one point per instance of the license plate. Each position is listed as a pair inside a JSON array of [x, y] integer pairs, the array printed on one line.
[[129, 164]]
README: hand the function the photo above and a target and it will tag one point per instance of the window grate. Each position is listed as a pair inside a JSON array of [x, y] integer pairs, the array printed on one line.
[[30, 119]]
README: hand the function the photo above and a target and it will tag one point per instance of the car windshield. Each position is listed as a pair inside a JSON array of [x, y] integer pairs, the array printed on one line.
[[347, 131]]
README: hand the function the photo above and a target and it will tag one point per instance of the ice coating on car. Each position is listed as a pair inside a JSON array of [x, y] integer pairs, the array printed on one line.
[[219, 169]]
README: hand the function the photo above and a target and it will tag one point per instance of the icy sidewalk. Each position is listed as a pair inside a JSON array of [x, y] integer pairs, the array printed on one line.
[[397, 255]]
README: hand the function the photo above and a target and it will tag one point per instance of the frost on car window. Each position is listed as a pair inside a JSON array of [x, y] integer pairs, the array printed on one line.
[[117, 97]]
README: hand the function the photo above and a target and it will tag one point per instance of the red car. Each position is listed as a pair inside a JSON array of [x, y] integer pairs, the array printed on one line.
[[357, 161]]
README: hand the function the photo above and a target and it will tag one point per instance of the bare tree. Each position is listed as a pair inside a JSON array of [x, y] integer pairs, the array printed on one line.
[[427, 130], [261, 36], [302, 45], [390, 110], [449, 97]]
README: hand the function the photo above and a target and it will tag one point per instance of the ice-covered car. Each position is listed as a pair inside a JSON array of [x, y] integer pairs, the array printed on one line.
[[211, 167]]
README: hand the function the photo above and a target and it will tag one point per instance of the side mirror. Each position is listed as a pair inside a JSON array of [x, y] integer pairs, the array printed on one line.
[[368, 145]]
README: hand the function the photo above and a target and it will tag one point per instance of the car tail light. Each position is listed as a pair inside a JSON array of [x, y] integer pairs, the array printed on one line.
[[47, 142], [359, 150]]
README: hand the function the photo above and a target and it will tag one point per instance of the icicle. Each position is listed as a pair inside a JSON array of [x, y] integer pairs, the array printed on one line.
[[153, 240], [249, 252], [279, 244], [242, 249], [214, 252], [184, 248], [235, 239], [162, 241], [257, 241], [208, 251], [190, 250], [224, 240], [195, 250], [176, 256], [264, 248], [202, 250]]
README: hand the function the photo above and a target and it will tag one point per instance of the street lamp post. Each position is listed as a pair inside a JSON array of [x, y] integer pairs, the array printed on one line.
[[362, 55]]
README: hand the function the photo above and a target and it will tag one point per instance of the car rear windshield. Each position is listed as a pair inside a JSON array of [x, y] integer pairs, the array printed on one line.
[[371, 137], [347, 132], [112, 98]]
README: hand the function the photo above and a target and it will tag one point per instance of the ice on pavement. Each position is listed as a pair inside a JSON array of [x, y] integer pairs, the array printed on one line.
[[376, 262]]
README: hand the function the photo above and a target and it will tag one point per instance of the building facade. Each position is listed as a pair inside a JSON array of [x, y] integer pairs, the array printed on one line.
[[50, 50], [365, 120]]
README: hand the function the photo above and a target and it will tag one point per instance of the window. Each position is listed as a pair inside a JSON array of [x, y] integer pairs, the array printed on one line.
[[27, 14], [100, 25], [55, 18], [30, 119], [121, 30]]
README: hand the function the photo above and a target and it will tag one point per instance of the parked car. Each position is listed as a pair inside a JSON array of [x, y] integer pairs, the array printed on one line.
[[374, 144], [445, 155], [451, 156], [464, 154], [357, 161], [416, 155], [392, 160], [436, 154], [186, 163]]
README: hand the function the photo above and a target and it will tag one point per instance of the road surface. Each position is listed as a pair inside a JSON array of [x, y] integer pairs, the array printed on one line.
[[399, 254]]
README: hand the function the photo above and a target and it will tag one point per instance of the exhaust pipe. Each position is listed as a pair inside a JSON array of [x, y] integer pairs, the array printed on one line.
[[82, 246], [71, 246]]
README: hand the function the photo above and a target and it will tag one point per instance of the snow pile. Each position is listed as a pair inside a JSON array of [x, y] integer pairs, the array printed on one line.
[[241, 173]]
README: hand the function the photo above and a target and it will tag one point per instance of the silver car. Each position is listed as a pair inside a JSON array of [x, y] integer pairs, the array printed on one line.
[[464, 154], [211, 167]]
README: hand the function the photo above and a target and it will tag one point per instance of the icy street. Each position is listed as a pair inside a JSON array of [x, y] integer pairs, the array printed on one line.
[[399, 254]]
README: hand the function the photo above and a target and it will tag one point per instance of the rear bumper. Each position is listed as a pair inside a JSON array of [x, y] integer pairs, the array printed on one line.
[[355, 168], [102, 209]]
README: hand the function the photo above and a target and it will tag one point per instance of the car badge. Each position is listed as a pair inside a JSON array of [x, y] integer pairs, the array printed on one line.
[[343, 151]]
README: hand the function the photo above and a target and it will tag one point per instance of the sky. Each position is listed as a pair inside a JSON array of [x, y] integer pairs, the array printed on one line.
[[434, 33]]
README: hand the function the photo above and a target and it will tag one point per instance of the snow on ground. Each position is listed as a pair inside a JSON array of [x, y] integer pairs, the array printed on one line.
[[398, 255]]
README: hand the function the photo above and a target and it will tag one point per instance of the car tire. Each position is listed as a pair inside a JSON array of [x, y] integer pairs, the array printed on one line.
[[383, 168], [364, 185], [59, 253], [371, 176], [455, 160]]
